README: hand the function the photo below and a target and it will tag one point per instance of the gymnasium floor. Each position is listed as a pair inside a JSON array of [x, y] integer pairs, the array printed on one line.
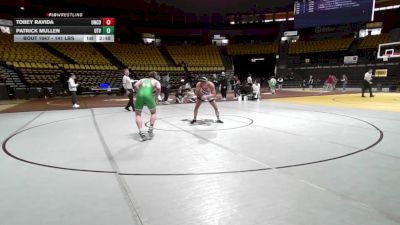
[[322, 160]]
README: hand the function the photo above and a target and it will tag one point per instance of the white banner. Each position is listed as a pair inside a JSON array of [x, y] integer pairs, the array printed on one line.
[[350, 59]]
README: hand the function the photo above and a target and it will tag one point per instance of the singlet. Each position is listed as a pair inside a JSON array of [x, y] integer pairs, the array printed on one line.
[[146, 88], [205, 91]]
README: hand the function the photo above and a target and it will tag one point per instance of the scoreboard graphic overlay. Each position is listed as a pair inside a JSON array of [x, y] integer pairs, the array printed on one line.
[[64, 30]]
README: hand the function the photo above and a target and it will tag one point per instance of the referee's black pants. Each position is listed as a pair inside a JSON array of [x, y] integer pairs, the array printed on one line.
[[224, 89], [130, 103], [366, 85]]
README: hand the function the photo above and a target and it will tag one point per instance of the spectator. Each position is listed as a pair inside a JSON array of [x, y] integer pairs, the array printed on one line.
[[335, 80], [245, 90], [216, 82], [232, 83], [291, 77], [157, 77], [256, 90], [344, 81], [72, 86], [329, 83], [272, 84], [236, 87], [262, 80], [185, 93], [249, 80], [304, 84], [280, 83], [287, 77], [311, 82], [165, 87], [224, 86]]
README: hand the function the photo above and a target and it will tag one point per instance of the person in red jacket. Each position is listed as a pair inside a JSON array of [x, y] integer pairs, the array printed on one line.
[[329, 82]]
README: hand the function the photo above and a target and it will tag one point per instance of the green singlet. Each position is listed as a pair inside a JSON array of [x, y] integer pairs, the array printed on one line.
[[144, 96]]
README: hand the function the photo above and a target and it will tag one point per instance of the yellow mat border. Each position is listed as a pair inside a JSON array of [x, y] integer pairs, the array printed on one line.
[[382, 101]]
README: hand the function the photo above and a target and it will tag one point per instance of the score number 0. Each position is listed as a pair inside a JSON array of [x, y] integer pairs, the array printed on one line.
[[108, 21]]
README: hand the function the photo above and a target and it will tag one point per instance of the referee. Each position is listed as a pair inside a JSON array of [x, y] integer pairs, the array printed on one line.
[[127, 84], [367, 83]]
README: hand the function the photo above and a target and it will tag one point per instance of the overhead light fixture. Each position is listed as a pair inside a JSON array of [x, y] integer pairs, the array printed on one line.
[[22, 8]]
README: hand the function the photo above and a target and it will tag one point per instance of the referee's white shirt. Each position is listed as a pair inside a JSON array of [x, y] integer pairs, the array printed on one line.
[[126, 82], [368, 77]]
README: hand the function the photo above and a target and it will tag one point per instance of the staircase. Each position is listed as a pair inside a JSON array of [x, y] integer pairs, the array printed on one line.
[[13, 80], [164, 52], [104, 51], [57, 53], [282, 62], [354, 46], [226, 59]]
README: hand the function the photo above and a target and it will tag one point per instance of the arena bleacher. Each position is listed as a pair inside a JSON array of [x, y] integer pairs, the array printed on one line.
[[253, 49], [332, 45], [38, 67], [372, 42], [43, 65], [24, 52], [81, 53], [198, 58]]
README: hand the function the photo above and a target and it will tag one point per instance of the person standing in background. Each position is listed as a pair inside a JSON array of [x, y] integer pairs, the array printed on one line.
[[367, 83], [280, 83], [262, 80], [329, 83], [157, 77], [72, 86], [311, 82], [291, 77], [335, 80], [303, 84], [232, 83], [272, 84], [256, 90], [165, 86], [224, 86], [127, 84], [236, 87], [249, 80], [215, 82], [317, 83], [344, 82]]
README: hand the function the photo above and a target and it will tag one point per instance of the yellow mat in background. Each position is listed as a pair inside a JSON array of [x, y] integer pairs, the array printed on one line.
[[381, 101]]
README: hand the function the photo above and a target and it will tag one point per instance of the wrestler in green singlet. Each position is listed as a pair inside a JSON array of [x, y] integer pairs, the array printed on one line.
[[145, 96]]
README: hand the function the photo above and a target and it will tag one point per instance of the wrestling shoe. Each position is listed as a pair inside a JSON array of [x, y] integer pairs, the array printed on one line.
[[150, 133], [142, 136], [193, 121], [219, 121]]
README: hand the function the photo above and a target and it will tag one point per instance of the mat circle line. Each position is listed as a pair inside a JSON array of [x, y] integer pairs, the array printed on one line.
[[7, 152]]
